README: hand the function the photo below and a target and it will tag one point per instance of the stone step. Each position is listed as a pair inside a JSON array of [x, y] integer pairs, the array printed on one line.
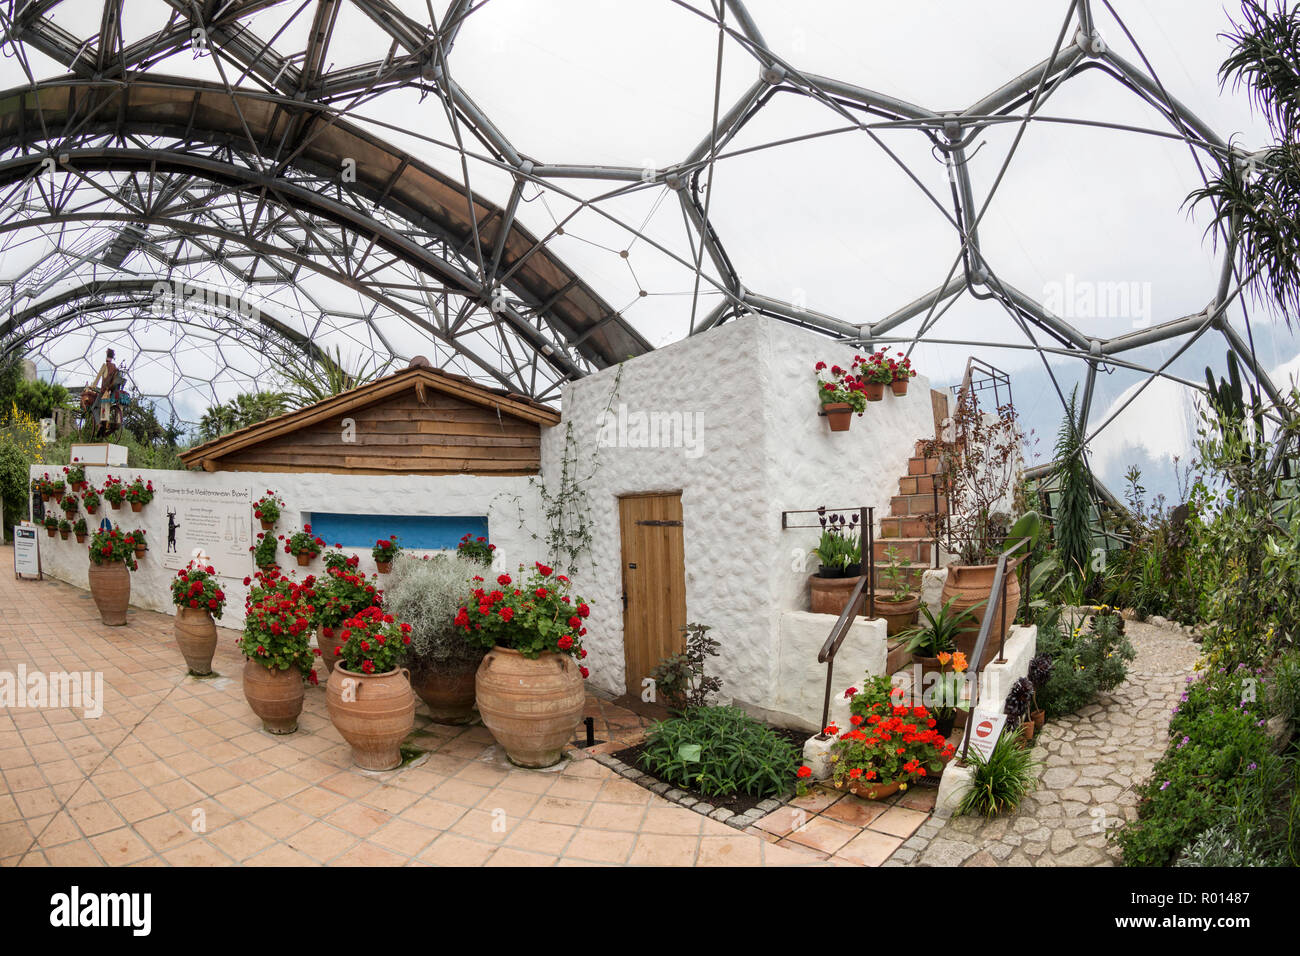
[[923, 466], [910, 526], [902, 505], [909, 549]]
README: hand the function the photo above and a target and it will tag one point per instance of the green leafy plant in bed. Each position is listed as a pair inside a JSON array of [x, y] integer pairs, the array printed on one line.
[[1002, 781], [720, 751]]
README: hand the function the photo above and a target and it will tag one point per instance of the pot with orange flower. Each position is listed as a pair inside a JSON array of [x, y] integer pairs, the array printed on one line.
[[278, 658], [529, 685], [303, 546], [383, 552], [841, 396], [199, 602], [111, 560], [948, 694], [891, 743], [368, 694]]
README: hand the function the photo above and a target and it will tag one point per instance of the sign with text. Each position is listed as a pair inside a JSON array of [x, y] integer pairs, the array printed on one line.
[[985, 730], [27, 550], [218, 520]]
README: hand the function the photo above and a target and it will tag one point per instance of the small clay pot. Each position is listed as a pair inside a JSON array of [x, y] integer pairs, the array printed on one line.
[[304, 559], [1039, 717], [899, 386], [875, 391], [267, 525], [839, 414], [63, 535], [81, 539], [383, 567], [137, 506]]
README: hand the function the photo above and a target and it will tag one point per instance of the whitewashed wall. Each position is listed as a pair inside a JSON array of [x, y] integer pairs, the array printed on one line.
[[505, 500], [763, 448]]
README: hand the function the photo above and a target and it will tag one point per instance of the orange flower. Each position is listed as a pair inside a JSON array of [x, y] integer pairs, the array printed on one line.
[[944, 657], [959, 663]]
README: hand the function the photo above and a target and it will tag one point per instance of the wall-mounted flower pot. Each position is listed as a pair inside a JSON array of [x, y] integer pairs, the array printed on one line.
[[137, 506], [898, 615], [304, 559], [875, 391], [267, 525], [196, 635], [139, 552], [383, 567], [51, 531], [81, 539], [899, 386], [63, 535], [839, 415], [117, 505]]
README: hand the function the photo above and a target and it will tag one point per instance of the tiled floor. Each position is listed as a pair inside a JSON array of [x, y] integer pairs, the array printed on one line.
[[177, 771], [845, 829]]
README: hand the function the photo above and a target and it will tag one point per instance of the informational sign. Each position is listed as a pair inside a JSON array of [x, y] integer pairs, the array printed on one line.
[[985, 730], [27, 551], [218, 520]]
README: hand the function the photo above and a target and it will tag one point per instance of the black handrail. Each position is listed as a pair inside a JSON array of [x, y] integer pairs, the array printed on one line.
[[996, 603]]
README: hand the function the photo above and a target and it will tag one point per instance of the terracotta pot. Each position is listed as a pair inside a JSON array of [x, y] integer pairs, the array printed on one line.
[[373, 713], [274, 696], [117, 505], [110, 586], [139, 552], [1027, 730], [51, 531], [532, 707], [447, 690], [929, 665], [383, 567], [304, 559], [137, 506], [63, 535], [1039, 717], [970, 584], [869, 790], [898, 615], [81, 539], [899, 387], [327, 639], [875, 391], [267, 525], [45, 496], [830, 595], [839, 414], [196, 635], [92, 509]]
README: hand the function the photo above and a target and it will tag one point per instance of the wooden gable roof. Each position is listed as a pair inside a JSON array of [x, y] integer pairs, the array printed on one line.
[[416, 421]]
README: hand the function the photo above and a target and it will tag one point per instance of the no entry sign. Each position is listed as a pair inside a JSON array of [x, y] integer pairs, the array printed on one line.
[[985, 731]]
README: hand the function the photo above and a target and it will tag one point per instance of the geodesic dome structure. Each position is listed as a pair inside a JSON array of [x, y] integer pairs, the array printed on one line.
[[526, 192]]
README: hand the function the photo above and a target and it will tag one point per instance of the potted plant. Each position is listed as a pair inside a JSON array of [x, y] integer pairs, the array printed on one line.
[[139, 493], [43, 486], [278, 658], [65, 529], [342, 593], [110, 583], [267, 509], [476, 549], [383, 552], [977, 477], [903, 373], [368, 695], [135, 538], [76, 475], [114, 492], [875, 373], [57, 489], [839, 552], [51, 524], [199, 600], [1040, 671], [304, 546], [70, 506], [937, 634], [529, 686], [841, 396], [264, 551], [898, 603], [91, 500], [79, 529], [888, 746], [947, 697], [427, 595]]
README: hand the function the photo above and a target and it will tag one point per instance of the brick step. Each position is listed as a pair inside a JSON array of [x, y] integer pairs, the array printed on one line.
[[916, 485], [923, 466], [915, 505], [910, 549], [906, 527]]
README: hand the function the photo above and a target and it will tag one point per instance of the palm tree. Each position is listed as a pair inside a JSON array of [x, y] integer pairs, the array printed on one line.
[[247, 408], [314, 375]]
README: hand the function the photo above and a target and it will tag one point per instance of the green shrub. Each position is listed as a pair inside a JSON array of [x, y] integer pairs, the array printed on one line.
[[1003, 780], [1284, 690], [720, 751], [1218, 752], [427, 593], [1085, 661]]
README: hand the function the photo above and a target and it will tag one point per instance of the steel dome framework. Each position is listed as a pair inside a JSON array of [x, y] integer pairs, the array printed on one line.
[[123, 182]]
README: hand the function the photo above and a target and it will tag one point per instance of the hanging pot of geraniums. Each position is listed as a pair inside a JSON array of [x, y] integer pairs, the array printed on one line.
[[76, 475], [79, 529], [136, 540], [91, 500], [57, 489], [875, 373], [70, 506], [139, 493], [65, 529], [278, 656], [529, 685], [111, 561], [840, 395], [199, 602], [267, 509], [368, 694], [303, 546], [43, 486], [114, 492], [51, 525], [264, 552], [383, 552]]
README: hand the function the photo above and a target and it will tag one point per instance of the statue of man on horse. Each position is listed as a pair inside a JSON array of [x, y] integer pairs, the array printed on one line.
[[105, 400]]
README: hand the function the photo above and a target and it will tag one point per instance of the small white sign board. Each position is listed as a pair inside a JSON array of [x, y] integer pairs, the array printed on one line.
[[99, 454], [27, 551], [218, 520], [985, 730]]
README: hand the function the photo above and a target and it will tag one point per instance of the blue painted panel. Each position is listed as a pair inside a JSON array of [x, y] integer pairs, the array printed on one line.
[[421, 532]]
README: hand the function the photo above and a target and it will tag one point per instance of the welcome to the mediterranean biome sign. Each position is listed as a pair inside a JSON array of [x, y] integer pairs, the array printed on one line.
[[218, 520]]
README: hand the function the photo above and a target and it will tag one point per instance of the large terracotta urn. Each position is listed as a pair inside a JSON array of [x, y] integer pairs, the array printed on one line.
[[328, 640], [447, 689], [532, 707], [970, 585], [275, 696], [196, 635], [110, 586], [373, 713]]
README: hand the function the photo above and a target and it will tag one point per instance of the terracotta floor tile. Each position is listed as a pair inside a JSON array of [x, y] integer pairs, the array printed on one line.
[[451, 849], [601, 846], [824, 834], [280, 820], [121, 847], [661, 850], [540, 837], [509, 856], [899, 821], [869, 848], [855, 811]]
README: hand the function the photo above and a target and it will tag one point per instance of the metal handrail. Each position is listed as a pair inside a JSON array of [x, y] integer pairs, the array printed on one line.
[[997, 602]]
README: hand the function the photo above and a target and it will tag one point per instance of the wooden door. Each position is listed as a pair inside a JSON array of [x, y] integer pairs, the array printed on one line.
[[654, 582]]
